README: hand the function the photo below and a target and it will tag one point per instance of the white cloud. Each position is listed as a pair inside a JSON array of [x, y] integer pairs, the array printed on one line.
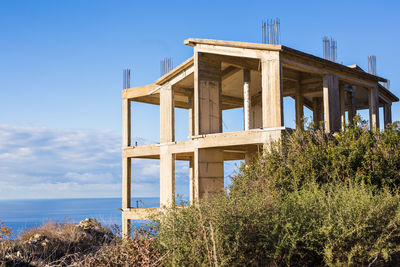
[[38, 162]]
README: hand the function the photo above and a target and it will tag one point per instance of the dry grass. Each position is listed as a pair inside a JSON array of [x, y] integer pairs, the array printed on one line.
[[67, 232], [5, 232], [68, 244], [136, 251]]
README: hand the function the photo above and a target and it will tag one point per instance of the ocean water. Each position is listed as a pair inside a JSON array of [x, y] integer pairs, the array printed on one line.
[[22, 214]]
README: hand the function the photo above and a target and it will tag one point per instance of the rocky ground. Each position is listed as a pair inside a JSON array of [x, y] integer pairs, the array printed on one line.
[[55, 244]]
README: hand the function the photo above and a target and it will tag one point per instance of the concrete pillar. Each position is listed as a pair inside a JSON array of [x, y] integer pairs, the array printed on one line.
[[167, 177], [167, 123], [126, 193], [256, 115], [209, 172], [352, 110], [373, 109], [208, 163], [191, 116], [249, 156], [126, 122], [126, 165], [387, 113], [331, 103], [299, 102], [342, 105], [271, 83], [247, 98], [191, 180], [207, 94], [167, 135], [318, 113]]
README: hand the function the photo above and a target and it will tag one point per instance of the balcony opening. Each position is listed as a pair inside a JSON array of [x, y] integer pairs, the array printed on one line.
[[145, 183], [308, 117], [181, 124], [289, 112], [182, 182], [232, 120], [231, 169], [145, 124], [381, 118], [364, 115]]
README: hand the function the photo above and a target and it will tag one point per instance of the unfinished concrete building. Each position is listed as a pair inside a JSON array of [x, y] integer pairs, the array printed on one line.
[[224, 75]]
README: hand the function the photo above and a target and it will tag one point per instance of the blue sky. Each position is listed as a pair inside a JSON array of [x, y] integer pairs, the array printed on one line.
[[61, 76]]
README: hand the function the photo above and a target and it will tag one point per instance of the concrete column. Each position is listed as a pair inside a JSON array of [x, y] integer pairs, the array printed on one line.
[[191, 116], [318, 113], [191, 180], [387, 113], [342, 106], [167, 177], [126, 193], [299, 102], [209, 172], [167, 123], [167, 135], [331, 103], [373, 109], [247, 98], [271, 83], [207, 94], [208, 164], [126, 165], [256, 115], [126, 227], [352, 110], [249, 156], [126, 122]]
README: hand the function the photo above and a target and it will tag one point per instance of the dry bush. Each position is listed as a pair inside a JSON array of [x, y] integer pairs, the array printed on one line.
[[86, 244], [57, 244], [66, 232], [5, 232], [140, 250]]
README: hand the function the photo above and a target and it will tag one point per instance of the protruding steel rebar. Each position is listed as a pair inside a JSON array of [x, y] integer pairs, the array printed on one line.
[[166, 65], [329, 48], [333, 50], [372, 65], [126, 79], [271, 31]]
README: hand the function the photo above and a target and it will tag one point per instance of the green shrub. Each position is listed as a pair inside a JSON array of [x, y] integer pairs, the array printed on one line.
[[354, 154], [312, 199], [317, 225]]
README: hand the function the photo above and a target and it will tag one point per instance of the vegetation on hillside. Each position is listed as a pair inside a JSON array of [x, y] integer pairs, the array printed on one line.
[[311, 199]]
